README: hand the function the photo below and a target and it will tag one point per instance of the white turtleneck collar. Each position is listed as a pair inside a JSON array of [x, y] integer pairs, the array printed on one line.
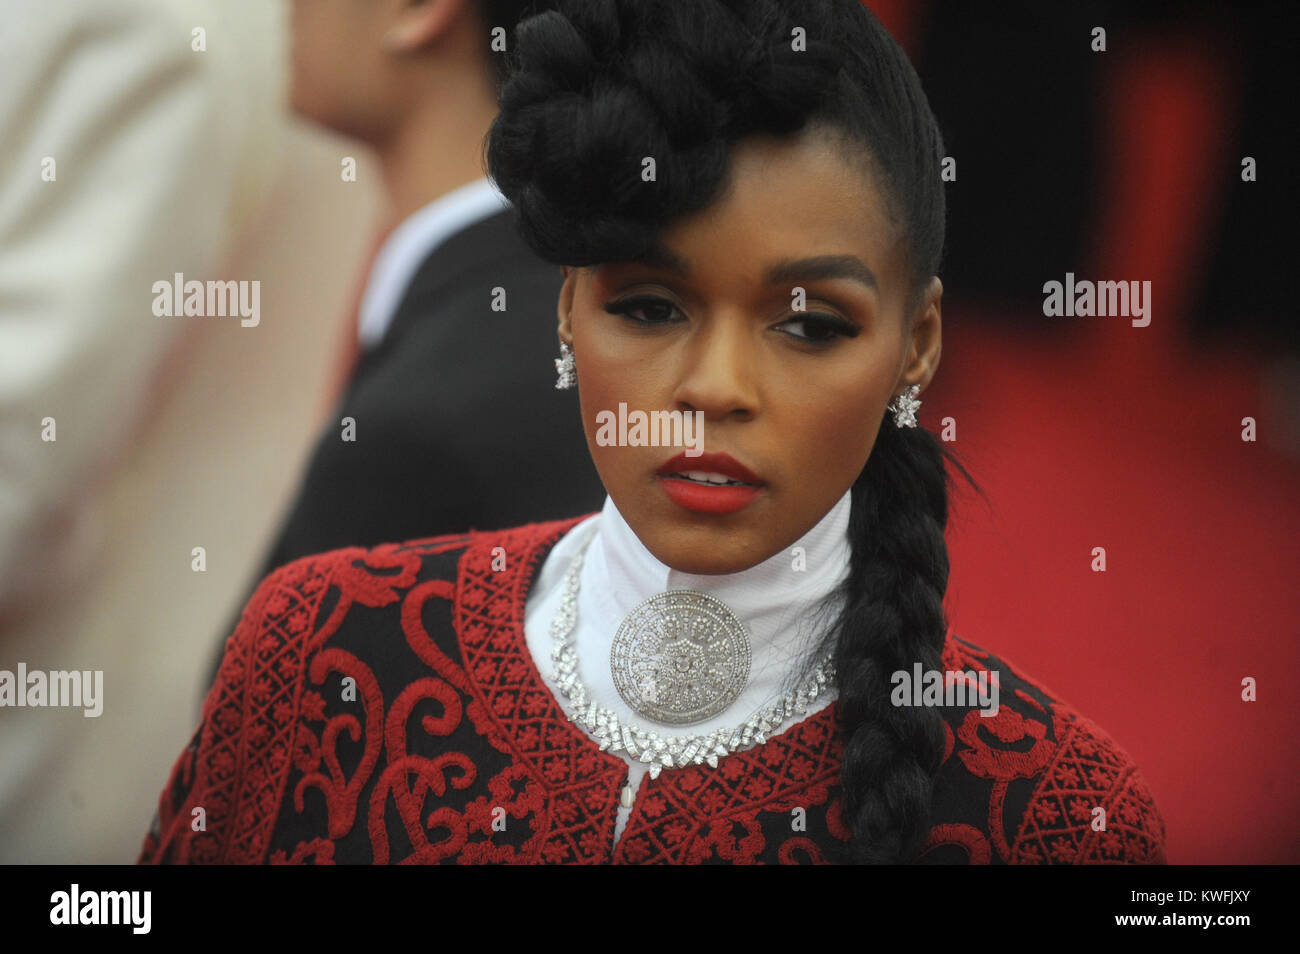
[[767, 597], [780, 601]]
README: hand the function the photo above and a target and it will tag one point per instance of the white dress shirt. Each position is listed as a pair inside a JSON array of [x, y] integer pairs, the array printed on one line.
[[777, 603], [406, 249]]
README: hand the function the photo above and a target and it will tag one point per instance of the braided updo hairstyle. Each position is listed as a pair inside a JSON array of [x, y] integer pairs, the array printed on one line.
[[598, 85]]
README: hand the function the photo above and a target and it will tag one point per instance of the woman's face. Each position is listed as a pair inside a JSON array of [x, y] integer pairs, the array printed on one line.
[[714, 325]]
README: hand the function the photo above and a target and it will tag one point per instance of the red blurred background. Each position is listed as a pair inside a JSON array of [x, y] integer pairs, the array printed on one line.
[[1090, 432]]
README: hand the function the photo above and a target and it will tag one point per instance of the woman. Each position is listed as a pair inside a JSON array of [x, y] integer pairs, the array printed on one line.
[[733, 660]]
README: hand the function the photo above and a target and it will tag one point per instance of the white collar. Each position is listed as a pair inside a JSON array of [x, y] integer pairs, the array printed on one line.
[[778, 604], [760, 596], [411, 243]]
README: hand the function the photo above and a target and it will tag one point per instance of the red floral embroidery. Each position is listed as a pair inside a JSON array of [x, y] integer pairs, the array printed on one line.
[[1005, 729], [966, 837], [1089, 771], [319, 850], [788, 853]]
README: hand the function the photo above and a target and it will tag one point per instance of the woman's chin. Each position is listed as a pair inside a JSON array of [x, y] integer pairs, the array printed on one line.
[[709, 554]]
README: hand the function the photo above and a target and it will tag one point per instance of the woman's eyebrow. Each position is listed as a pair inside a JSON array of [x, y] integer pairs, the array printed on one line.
[[821, 267], [816, 267], [658, 255]]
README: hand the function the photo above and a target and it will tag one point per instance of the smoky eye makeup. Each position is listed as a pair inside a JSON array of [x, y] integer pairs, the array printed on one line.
[[817, 329], [824, 327], [655, 309]]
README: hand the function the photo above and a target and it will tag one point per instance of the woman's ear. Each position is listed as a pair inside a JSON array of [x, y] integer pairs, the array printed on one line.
[[564, 306], [926, 342]]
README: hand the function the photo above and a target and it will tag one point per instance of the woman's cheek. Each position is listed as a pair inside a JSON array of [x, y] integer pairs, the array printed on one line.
[[839, 427]]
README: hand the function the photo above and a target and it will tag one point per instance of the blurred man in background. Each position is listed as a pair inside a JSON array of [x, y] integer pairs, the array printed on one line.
[[450, 419]]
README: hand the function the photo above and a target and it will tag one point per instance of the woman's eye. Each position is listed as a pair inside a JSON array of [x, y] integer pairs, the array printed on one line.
[[656, 311], [819, 328], [812, 328]]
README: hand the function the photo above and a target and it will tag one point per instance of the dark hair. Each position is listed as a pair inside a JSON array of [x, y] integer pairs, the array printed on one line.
[[507, 14], [600, 84]]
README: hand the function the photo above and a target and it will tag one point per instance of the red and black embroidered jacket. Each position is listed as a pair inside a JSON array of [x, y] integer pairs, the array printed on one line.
[[381, 706]]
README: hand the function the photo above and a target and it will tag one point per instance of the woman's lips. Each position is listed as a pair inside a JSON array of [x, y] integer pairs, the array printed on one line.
[[709, 483], [705, 498], [713, 462]]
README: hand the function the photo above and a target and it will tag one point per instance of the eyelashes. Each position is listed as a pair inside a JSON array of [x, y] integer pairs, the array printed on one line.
[[826, 328], [634, 303], [819, 328]]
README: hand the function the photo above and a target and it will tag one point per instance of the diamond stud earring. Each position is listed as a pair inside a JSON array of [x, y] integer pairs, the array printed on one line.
[[564, 368], [905, 406]]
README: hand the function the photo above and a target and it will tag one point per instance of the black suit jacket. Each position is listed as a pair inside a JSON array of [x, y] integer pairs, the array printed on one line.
[[459, 425]]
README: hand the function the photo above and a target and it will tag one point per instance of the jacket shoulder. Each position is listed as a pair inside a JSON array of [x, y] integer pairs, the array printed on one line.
[[1040, 781], [349, 609]]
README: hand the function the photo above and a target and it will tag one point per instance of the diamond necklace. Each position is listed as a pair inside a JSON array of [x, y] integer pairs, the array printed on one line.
[[649, 747]]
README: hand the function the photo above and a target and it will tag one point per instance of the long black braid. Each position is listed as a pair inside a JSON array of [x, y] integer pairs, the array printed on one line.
[[892, 618]]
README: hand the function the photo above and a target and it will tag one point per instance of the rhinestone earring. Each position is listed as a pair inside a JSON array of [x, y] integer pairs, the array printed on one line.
[[905, 406], [564, 368]]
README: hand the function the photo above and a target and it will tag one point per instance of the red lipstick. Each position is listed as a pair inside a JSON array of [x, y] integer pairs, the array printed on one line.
[[686, 481]]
